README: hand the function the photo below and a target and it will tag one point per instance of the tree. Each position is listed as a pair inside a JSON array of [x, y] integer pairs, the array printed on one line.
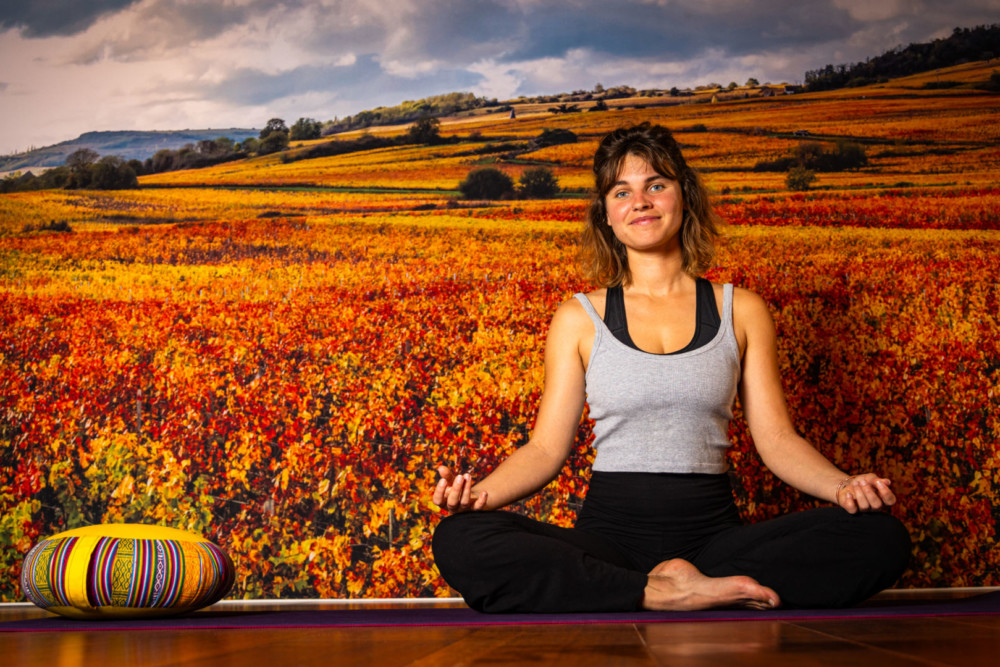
[[249, 145], [80, 162], [273, 125], [538, 183], [273, 142], [162, 160], [751, 82], [809, 154], [305, 128], [224, 145], [849, 155], [991, 84], [554, 137], [425, 131], [113, 173], [486, 183], [800, 179], [137, 166], [564, 108], [81, 159]]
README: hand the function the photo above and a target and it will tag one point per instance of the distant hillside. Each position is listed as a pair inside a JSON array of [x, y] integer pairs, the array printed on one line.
[[127, 144], [962, 46], [409, 111]]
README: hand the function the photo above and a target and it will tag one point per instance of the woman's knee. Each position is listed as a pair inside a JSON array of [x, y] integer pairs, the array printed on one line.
[[450, 534], [462, 538], [893, 538]]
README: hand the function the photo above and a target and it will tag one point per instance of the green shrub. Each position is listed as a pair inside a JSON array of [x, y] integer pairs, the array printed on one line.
[[486, 183], [992, 84], [554, 137], [538, 183], [800, 179]]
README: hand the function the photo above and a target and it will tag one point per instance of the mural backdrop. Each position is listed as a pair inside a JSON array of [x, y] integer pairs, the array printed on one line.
[[277, 352]]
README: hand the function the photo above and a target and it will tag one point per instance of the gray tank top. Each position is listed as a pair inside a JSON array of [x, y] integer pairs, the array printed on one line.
[[662, 412]]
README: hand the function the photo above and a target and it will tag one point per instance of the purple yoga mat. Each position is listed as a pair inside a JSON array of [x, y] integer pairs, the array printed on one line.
[[985, 604]]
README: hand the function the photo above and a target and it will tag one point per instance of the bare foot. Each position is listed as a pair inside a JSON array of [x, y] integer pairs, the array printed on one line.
[[677, 585]]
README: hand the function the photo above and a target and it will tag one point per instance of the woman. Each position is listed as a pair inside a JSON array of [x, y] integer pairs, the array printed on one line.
[[660, 355]]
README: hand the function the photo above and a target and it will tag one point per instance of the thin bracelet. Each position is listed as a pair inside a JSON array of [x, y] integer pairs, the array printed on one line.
[[843, 483]]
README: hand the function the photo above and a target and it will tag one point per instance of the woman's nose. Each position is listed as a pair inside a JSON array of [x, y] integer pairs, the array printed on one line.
[[640, 201]]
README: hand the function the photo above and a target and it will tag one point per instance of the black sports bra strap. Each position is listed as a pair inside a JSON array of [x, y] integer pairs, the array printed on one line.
[[614, 315], [706, 327]]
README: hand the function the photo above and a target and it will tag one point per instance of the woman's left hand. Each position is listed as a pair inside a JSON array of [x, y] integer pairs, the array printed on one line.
[[865, 493]]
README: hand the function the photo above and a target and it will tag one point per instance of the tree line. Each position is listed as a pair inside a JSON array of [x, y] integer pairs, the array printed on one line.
[[963, 45], [409, 111], [84, 169]]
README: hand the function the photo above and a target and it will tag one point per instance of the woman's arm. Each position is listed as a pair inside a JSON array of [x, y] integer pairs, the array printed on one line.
[[535, 464], [783, 450]]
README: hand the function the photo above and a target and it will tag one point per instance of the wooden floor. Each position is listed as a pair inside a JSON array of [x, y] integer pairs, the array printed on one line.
[[968, 640]]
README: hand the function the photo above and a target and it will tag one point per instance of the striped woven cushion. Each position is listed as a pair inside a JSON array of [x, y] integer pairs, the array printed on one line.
[[117, 570]]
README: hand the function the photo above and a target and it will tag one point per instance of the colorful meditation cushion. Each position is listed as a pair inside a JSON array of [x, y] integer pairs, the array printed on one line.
[[125, 570]]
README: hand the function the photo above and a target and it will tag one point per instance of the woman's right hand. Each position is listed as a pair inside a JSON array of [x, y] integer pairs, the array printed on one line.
[[454, 492]]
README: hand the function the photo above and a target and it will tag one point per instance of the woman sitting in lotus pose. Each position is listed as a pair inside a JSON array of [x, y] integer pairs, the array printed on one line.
[[659, 353]]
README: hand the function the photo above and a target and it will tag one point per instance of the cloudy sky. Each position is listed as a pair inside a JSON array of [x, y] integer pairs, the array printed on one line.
[[70, 66]]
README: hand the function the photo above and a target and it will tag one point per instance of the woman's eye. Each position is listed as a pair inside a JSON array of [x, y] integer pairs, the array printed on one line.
[[656, 187], [620, 194]]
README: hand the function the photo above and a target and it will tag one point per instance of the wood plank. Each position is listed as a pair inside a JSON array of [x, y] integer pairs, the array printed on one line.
[[992, 622], [764, 643], [933, 640], [557, 644], [282, 647]]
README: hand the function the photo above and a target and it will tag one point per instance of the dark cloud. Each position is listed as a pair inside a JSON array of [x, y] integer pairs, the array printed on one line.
[[365, 79], [469, 29], [170, 26], [46, 18], [637, 29]]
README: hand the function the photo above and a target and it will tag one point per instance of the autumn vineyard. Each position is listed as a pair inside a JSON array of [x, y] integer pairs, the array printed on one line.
[[277, 353]]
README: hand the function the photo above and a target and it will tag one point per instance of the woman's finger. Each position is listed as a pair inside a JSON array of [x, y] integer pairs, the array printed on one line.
[[439, 492], [455, 494], [849, 504], [480, 501], [888, 497], [467, 490], [873, 496]]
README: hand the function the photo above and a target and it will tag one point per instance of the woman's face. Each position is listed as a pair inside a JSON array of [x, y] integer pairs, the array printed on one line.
[[645, 208]]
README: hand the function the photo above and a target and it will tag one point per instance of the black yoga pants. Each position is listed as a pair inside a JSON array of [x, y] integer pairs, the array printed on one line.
[[630, 522]]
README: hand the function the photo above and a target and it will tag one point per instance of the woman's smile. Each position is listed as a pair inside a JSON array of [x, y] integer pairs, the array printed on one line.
[[643, 200]]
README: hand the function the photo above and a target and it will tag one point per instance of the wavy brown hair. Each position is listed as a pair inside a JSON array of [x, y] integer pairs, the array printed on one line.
[[603, 256]]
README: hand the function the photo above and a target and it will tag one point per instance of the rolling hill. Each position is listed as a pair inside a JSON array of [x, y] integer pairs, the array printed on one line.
[[127, 144]]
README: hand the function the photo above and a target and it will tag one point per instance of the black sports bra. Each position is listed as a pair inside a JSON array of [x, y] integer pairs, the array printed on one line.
[[706, 325]]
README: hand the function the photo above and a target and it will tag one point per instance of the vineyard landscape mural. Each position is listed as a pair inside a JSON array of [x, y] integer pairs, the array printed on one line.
[[277, 352]]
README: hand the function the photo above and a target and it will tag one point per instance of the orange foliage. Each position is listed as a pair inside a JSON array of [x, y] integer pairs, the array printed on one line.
[[282, 369]]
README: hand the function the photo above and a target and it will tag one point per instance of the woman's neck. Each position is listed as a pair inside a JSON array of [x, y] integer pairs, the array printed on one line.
[[656, 274]]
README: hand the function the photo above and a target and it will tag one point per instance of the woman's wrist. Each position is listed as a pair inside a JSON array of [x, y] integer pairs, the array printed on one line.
[[841, 486]]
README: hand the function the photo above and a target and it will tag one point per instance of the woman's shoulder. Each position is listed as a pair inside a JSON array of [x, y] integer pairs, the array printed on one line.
[[751, 318], [572, 309], [597, 299], [748, 304], [572, 328]]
